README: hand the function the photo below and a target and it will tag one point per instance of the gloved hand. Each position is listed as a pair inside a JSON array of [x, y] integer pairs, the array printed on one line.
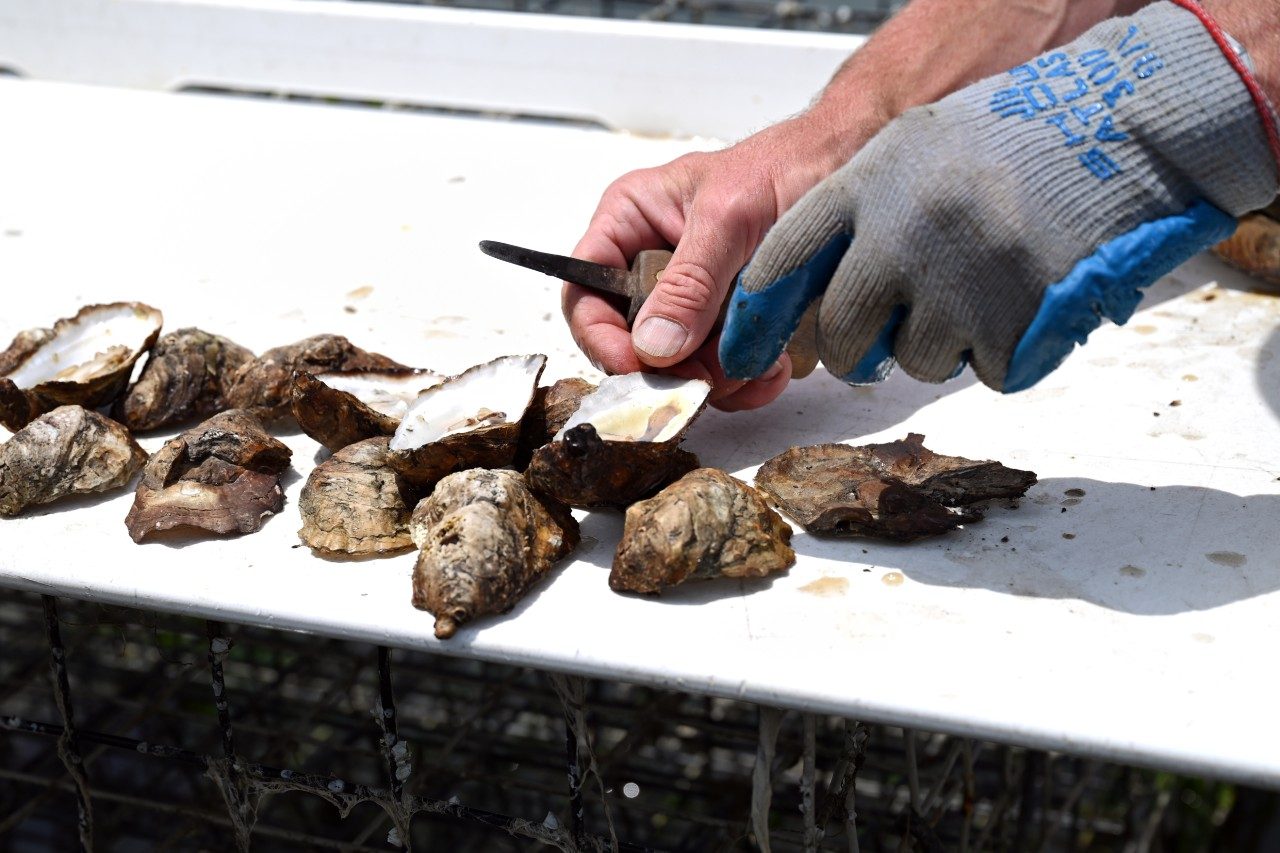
[[1000, 225]]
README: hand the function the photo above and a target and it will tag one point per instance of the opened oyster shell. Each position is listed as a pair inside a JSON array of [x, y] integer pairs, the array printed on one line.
[[69, 451], [898, 490], [353, 503], [342, 407], [181, 381], [551, 408], [83, 360], [469, 421], [620, 446], [705, 525], [222, 476], [264, 384], [486, 538]]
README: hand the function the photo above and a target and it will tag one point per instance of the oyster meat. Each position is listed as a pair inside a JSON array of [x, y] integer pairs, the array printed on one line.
[[342, 407], [468, 421], [705, 525], [264, 383], [181, 381], [622, 444], [83, 360], [551, 408], [486, 538], [69, 451], [898, 490], [353, 503], [222, 476]]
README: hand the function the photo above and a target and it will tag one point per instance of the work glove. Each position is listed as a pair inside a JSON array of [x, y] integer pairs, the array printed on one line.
[[999, 226]]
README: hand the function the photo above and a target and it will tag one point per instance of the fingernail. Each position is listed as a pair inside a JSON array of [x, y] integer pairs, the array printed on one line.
[[659, 337], [773, 372]]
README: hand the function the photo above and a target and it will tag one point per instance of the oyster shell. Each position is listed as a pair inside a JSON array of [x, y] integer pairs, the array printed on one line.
[[68, 451], [83, 360], [705, 525], [222, 476], [353, 503], [265, 382], [1255, 246], [552, 406], [898, 490], [486, 538], [620, 446], [342, 407], [181, 381], [469, 421]]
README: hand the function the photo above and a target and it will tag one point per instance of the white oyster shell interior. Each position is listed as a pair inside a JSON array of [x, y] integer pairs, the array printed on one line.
[[640, 407], [485, 395], [100, 342], [388, 394]]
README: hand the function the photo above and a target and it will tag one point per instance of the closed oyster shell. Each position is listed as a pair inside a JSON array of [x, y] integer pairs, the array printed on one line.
[[898, 490], [705, 525], [222, 476], [486, 538], [1255, 246], [83, 360], [471, 420], [182, 380], [264, 384], [353, 503], [69, 451], [342, 407], [621, 445]]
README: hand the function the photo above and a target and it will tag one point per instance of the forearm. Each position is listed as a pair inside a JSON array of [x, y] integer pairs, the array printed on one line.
[[934, 47], [1256, 25]]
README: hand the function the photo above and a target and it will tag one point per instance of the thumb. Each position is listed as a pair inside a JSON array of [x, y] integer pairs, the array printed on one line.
[[681, 311]]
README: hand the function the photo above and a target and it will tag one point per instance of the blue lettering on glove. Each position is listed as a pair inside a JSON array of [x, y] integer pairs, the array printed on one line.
[[1106, 284]]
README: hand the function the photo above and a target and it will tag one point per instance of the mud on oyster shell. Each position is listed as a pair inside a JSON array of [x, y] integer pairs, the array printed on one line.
[[222, 476], [471, 420], [551, 408], [705, 525], [83, 360], [486, 538], [339, 408], [354, 504], [182, 380], [69, 451], [621, 445]]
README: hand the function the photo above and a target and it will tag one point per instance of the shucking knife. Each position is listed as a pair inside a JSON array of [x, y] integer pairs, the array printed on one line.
[[636, 284]]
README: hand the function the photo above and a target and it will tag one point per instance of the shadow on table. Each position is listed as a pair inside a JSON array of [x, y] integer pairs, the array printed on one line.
[[1123, 546]]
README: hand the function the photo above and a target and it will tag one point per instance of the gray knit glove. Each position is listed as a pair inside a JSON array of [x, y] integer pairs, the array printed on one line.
[[999, 225]]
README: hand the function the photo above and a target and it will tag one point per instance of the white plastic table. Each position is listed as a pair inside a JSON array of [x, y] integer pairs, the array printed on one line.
[[1137, 622]]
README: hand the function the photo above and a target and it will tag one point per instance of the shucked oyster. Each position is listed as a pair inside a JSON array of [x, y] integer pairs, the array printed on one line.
[[353, 503], [343, 407], [68, 451], [704, 525], [899, 490], [621, 444], [222, 476], [83, 360], [486, 538], [469, 421], [181, 380], [265, 382]]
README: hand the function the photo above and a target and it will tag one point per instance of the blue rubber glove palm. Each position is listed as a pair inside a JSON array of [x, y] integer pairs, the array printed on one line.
[[1000, 225]]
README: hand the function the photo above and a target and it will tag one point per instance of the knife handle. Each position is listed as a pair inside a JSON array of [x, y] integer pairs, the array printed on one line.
[[647, 269]]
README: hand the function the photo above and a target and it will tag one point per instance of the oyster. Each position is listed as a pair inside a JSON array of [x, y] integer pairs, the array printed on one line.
[[265, 382], [552, 406], [469, 421], [222, 476], [83, 360], [343, 407], [353, 503], [1255, 247], [181, 381], [621, 445], [68, 451], [899, 490], [705, 525], [486, 538]]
